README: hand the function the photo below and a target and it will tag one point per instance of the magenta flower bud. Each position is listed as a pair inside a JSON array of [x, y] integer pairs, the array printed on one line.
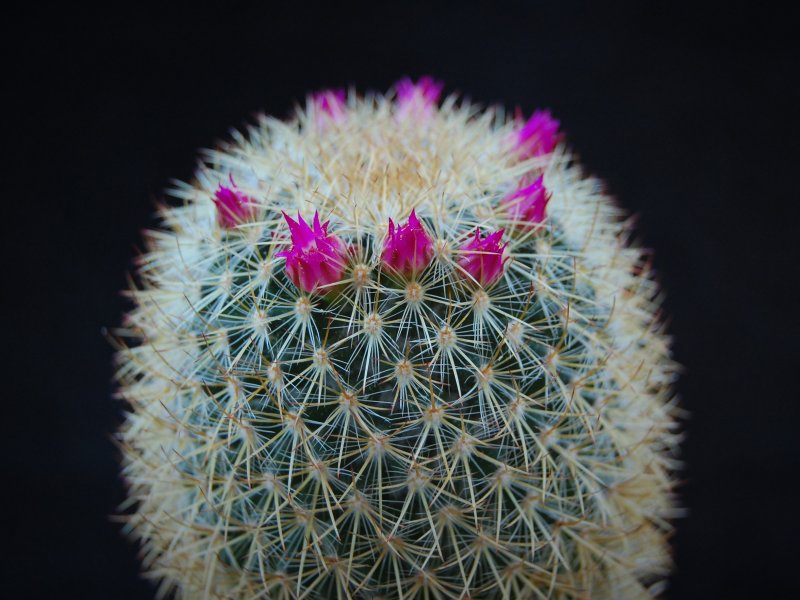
[[417, 99], [527, 205], [409, 248], [538, 136], [316, 259], [233, 206], [483, 258], [328, 106]]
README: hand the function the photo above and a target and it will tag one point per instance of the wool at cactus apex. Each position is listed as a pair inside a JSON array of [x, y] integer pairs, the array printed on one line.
[[685, 112]]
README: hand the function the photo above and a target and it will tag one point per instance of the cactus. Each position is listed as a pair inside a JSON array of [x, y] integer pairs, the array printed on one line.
[[397, 348]]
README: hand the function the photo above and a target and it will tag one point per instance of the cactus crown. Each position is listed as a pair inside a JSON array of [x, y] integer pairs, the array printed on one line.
[[411, 389]]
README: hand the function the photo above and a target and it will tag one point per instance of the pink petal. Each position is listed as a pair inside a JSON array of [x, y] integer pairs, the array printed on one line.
[[527, 205], [538, 136], [417, 100], [408, 248], [483, 259], [315, 259], [233, 206], [328, 106]]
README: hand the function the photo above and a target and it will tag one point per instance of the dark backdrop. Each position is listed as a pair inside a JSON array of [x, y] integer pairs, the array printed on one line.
[[686, 112]]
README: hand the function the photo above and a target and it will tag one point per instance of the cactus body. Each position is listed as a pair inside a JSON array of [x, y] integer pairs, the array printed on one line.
[[356, 368]]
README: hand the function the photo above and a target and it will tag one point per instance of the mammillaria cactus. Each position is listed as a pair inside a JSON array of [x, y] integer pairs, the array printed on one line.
[[397, 349]]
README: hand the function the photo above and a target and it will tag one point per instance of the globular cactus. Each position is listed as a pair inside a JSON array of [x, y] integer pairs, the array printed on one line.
[[394, 348]]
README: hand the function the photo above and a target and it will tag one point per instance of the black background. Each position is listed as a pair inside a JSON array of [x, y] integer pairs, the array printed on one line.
[[686, 111]]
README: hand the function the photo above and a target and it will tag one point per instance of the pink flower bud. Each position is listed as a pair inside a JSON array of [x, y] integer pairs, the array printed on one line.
[[417, 99], [527, 205], [408, 249], [233, 206], [483, 258], [328, 106], [538, 136], [315, 259]]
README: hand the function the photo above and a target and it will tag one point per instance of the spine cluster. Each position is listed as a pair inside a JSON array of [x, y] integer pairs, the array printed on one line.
[[398, 349]]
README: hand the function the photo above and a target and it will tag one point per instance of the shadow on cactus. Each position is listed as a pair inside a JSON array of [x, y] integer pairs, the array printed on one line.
[[401, 349]]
